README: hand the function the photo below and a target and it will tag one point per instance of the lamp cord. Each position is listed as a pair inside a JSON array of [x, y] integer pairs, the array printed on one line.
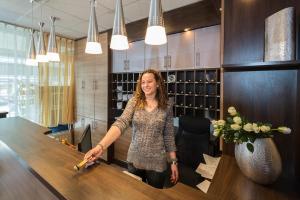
[[32, 15]]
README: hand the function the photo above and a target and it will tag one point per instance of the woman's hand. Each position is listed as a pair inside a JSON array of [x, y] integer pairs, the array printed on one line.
[[94, 153], [174, 173]]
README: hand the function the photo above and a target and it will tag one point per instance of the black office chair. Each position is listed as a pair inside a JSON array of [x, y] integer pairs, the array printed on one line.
[[86, 140], [59, 128], [192, 140]]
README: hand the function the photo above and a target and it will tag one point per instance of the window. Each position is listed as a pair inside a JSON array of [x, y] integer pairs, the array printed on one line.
[[18, 82]]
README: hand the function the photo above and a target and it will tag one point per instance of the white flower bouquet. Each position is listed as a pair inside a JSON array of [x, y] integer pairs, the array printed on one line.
[[237, 129]]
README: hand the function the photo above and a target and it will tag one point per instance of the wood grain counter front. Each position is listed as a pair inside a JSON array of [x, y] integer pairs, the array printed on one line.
[[53, 163]]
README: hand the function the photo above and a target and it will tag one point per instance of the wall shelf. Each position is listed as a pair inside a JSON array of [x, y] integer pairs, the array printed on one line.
[[195, 92], [274, 65]]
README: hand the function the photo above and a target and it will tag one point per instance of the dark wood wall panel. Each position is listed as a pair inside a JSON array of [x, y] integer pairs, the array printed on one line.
[[270, 97], [244, 24], [217, 5], [197, 15], [297, 141]]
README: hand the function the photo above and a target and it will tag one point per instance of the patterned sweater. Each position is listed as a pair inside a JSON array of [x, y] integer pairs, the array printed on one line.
[[152, 135]]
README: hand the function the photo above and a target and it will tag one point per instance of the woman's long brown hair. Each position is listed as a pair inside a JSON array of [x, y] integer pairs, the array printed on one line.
[[161, 95]]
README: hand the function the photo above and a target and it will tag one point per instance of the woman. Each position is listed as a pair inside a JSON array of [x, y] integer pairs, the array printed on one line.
[[151, 116]]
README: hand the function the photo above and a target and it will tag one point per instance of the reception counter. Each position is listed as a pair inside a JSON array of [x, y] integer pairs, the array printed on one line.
[[51, 169]]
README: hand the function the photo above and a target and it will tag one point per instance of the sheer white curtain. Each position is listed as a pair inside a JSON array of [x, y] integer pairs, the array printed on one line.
[[19, 93]]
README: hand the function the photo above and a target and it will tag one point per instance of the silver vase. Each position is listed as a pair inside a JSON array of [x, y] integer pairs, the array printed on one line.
[[263, 166]]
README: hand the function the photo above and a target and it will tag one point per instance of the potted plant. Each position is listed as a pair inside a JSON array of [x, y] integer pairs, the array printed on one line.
[[255, 152]]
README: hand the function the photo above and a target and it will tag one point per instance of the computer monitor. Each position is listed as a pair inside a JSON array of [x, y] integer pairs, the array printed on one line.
[[86, 140]]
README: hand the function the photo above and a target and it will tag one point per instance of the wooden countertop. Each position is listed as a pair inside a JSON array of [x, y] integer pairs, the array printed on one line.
[[15, 177], [229, 183], [52, 163]]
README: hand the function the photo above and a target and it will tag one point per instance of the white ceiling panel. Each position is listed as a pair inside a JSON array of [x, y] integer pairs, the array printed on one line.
[[171, 4], [78, 9], [28, 22], [106, 20], [17, 6], [81, 27], [74, 14], [70, 32], [137, 10], [111, 3], [63, 17], [8, 15]]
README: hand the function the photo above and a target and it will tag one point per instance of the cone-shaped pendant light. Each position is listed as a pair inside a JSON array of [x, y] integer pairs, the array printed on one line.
[[41, 52], [93, 45], [156, 32], [119, 39], [52, 52], [31, 53], [31, 56]]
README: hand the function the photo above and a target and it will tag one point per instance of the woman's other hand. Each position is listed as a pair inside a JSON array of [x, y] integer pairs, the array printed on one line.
[[174, 173], [94, 153]]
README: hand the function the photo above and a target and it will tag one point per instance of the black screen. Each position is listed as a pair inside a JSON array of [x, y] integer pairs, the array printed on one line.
[[86, 140]]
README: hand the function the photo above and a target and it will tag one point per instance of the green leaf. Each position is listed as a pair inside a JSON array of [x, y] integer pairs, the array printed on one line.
[[251, 138], [237, 134], [250, 147], [244, 138], [229, 120]]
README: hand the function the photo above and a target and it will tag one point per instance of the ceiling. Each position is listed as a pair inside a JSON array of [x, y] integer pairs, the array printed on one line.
[[74, 14]]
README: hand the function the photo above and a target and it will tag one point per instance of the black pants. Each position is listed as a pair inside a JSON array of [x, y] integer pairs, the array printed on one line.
[[153, 178]]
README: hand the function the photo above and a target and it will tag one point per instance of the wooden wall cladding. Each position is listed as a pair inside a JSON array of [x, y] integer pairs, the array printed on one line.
[[92, 70], [297, 141], [91, 97], [268, 96], [197, 15], [217, 4], [244, 27]]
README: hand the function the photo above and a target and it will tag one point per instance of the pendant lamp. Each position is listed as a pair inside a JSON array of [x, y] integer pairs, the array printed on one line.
[[156, 32], [119, 39], [30, 60], [41, 52], [31, 53], [52, 52], [92, 45]]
